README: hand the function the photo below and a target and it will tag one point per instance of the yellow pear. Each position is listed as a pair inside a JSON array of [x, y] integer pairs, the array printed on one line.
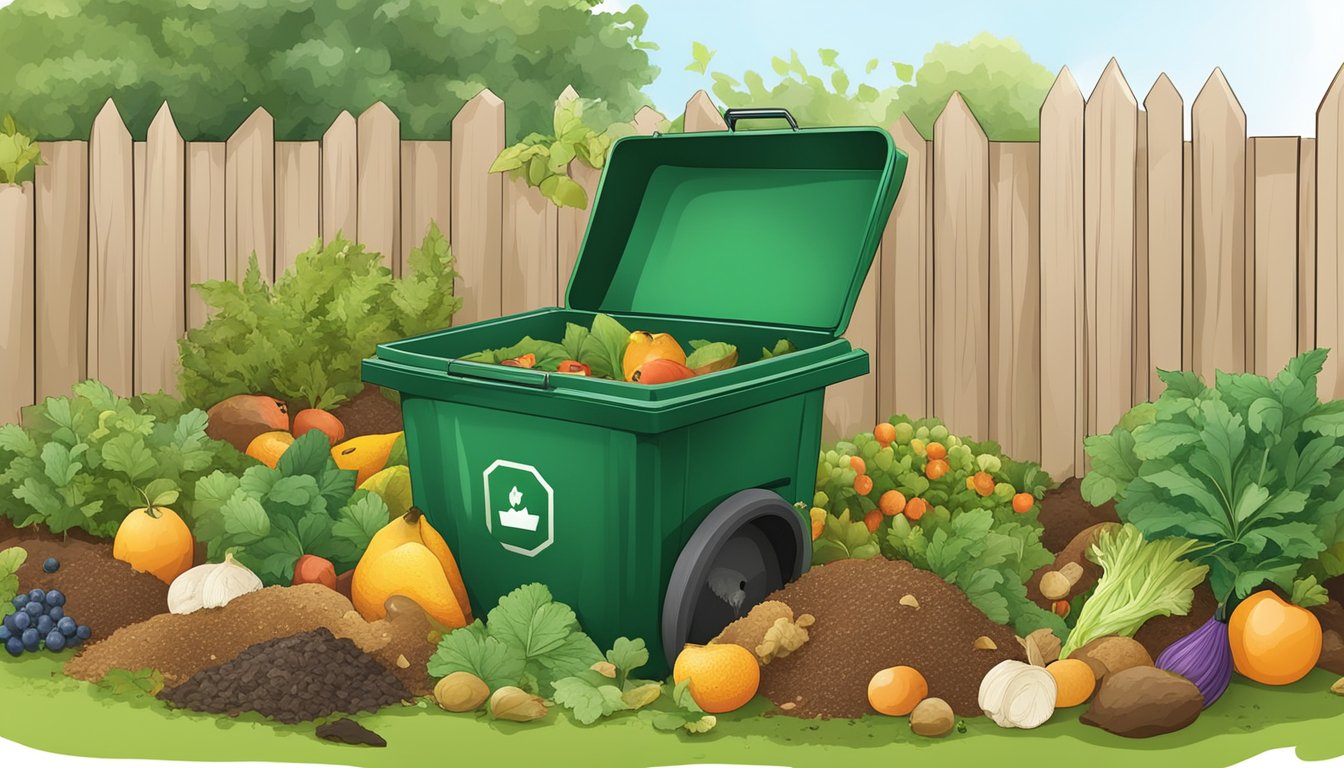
[[408, 557]]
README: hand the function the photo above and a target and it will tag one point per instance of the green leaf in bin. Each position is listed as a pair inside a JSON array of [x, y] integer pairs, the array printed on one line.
[[398, 454], [604, 349], [716, 356], [782, 347]]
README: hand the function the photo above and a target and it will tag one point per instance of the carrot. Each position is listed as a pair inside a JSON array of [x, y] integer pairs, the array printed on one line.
[[863, 485], [915, 509], [818, 517], [857, 464], [885, 434], [937, 451], [872, 520], [891, 503], [1023, 502], [935, 469]]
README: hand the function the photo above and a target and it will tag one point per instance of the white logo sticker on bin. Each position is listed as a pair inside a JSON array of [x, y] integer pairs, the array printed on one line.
[[520, 507]]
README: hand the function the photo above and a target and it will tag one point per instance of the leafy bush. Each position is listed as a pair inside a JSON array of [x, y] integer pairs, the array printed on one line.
[[1252, 468], [1000, 82], [304, 338], [542, 161], [82, 461], [19, 154], [269, 518], [969, 534], [306, 60]]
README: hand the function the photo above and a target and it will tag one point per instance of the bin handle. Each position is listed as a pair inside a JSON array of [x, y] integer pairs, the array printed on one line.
[[526, 377], [731, 116]]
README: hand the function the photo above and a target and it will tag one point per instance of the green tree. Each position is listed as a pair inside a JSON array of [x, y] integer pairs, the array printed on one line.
[[306, 60], [1002, 84]]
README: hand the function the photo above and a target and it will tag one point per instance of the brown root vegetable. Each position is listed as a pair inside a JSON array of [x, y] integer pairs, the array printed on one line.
[[932, 717], [1144, 701], [1055, 586], [1112, 653], [1071, 557], [239, 419]]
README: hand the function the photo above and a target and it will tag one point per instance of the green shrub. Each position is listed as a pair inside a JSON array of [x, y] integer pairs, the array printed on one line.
[[542, 160], [19, 154], [303, 338], [82, 461]]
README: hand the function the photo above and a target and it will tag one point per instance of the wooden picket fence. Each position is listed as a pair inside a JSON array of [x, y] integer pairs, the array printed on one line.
[[1024, 291]]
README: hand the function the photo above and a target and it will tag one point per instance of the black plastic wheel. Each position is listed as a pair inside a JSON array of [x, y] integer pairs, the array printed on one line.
[[753, 543]]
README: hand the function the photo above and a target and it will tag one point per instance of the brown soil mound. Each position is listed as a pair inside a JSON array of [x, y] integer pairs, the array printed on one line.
[[1331, 616], [861, 628], [368, 413], [1065, 513], [292, 679], [1159, 632], [104, 593], [181, 646]]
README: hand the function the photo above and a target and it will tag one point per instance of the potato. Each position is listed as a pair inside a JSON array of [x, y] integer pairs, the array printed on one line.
[[932, 717], [1112, 653]]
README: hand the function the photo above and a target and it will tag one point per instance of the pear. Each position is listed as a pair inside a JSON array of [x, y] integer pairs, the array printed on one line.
[[408, 557]]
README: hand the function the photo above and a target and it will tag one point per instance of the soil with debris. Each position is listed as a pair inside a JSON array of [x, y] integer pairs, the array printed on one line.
[[1161, 631], [1065, 513], [861, 628], [368, 413], [100, 591], [180, 646], [293, 680], [1331, 616], [345, 731]]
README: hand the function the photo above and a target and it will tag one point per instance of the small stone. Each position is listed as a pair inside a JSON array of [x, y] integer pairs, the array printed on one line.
[[788, 705], [1338, 687], [983, 643], [910, 601], [402, 663]]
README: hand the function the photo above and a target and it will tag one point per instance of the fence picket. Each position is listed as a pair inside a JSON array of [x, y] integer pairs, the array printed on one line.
[[62, 262], [702, 115], [1014, 298], [904, 363], [961, 270], [530, 239], [1218, 129], [1164, 129], [1142, 369], [206, 258], [1306, 246], [850, 406], [1109, 158], [1188, 259], [478, 206], [1330, 234], [249, 196], [160, 259], [111, 251], [1271, 201], [340, 179], [426, 180], [298, 200], [647, 121], [1063, 358], [380, 184], [17, 331]]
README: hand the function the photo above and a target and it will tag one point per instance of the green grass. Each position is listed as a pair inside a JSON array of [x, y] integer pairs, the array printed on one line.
[[40, 708]]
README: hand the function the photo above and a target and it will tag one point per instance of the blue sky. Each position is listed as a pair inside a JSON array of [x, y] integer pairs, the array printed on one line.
[[1278, 56]]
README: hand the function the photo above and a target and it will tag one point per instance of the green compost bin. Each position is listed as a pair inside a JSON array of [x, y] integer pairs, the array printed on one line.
[[666, 511]]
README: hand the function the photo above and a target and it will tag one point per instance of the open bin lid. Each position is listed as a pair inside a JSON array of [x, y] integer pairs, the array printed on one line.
[[771, 227]]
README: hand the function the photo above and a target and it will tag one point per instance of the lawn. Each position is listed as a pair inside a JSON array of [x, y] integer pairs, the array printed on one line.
[[1248, 720]]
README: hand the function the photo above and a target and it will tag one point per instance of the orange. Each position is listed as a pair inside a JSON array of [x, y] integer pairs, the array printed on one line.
[[896, 690], [1023, 502], [891, 503], [1273, 642], [915, 509], [885, 434], [983, 482], [937, 451], [268, 447], [873, 519], [155, 542], [935, 469], [1074, 682], [857, 464], [863, 485], [723, 676]]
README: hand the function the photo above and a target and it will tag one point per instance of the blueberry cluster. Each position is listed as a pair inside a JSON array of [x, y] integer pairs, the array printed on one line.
[[39, 621]]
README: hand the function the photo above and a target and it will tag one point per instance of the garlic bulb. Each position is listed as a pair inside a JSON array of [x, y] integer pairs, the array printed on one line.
[[1017, 695], [211, 586]]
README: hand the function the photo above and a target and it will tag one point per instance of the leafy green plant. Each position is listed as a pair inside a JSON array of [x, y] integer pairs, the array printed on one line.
[[269, 518], [968, 533], [542, 160], [1252, 468], [528, 640], [11, 560], [686, 715], [82, 461], [591, 695], [132, 684], [1139, 580], [19, 154], [303, 339]]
